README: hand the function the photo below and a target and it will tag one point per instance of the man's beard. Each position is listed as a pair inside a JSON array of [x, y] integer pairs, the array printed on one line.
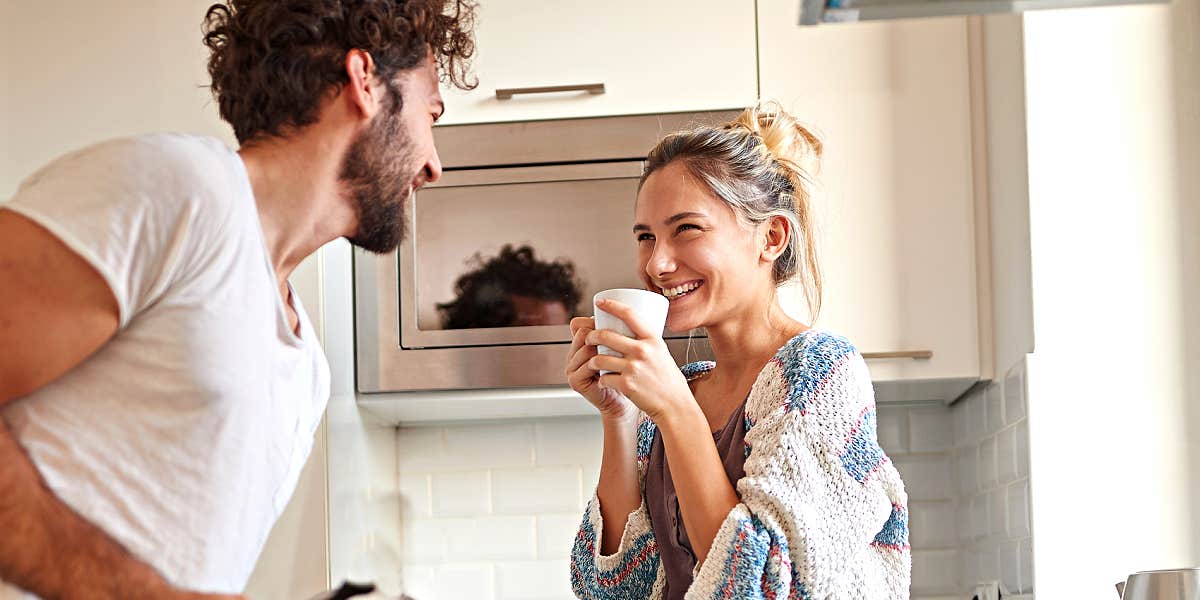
[[377, 174]]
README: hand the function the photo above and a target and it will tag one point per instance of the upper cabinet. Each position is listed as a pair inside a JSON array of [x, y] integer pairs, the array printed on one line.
[[894, 202], [646, 57]]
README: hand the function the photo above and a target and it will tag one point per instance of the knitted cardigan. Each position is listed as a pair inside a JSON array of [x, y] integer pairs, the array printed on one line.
[[823, 512]]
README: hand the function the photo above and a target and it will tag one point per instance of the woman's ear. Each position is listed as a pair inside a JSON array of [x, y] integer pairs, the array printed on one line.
[[774, 235]]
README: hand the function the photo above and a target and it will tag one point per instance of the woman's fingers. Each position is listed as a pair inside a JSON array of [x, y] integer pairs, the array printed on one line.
[[578, 323], [580, 358], [613, 340], [605, 362], [626, 314]]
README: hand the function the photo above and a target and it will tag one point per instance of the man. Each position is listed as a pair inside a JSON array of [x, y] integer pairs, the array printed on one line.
[[159, 382]]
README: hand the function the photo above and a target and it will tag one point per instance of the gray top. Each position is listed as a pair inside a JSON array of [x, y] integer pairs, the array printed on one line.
[[675, 551]]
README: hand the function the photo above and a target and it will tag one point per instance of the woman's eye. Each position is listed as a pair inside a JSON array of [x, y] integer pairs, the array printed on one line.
[[643, 237], [687, 226]]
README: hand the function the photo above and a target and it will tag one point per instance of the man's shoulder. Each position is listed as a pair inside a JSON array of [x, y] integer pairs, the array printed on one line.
[[142, 155]]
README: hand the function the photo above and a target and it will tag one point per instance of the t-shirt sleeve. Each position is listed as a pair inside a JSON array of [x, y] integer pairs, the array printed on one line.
[[141, 212]]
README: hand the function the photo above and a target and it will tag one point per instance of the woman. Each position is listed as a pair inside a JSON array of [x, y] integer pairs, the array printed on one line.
[[759, 474]]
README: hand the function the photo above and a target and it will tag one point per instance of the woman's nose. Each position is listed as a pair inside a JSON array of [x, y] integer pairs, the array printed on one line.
[[661, 262]]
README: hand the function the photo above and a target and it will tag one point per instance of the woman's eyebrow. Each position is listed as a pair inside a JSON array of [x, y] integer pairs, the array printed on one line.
[[672, 219]]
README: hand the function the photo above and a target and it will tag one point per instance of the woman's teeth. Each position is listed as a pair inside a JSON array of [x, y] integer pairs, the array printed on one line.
[[675, 292]]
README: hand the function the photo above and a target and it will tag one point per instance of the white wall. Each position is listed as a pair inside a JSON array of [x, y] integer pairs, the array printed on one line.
[[76, 73], [1113, 135], [87, 71]]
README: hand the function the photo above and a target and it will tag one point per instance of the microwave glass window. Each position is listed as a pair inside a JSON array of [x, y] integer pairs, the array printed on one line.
[[521, 254]]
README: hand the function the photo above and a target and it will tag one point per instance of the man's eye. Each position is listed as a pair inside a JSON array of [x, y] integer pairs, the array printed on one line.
[[642, 237]]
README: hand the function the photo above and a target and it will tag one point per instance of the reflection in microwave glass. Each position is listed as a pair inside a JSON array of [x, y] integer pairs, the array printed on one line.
[[513, 288]]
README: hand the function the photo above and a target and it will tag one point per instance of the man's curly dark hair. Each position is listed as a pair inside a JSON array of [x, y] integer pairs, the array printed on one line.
[[273, 61], [484, 295]]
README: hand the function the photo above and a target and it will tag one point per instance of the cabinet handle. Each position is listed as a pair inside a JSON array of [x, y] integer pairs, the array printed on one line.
[[591, 88], [913, 354]]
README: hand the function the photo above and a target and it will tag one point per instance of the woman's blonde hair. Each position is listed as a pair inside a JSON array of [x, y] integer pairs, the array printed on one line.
[[761, 164]]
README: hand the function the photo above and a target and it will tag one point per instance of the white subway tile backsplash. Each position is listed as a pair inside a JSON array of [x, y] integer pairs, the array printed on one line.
[[418, 582], [989, 564], [575, 441], [422, 542], [1010, 569], [925, 477], [998, 512], [556, 535], [460, 494], [541, 580], [1023, 452], [987, 463], [1025, 554], [490, 539], [589, 479], [979, 415], [995, 408], [490, 446], [1014, 394], [546, 489], [934, 571], [930, 429], [1018, 509], [414, 496], [1006, 455], [932, 524], [453, 582], [893, 430], [964, 530], [978, 512], [967, 470], [419, 448], [962, 423]]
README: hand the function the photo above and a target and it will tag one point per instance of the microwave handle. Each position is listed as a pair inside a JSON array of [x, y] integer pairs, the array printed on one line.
[[591, 88]]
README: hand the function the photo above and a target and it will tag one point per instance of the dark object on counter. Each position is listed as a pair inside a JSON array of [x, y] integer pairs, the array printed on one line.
[[349, 590]]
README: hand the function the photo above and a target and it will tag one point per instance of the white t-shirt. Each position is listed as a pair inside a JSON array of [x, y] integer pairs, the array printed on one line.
[[184, 435]]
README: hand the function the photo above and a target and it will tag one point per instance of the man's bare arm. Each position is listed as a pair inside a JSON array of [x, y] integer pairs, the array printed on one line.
[[55, 311]]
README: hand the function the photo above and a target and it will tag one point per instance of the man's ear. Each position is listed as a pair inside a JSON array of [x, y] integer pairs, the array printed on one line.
[[774, 236], [364, 92]]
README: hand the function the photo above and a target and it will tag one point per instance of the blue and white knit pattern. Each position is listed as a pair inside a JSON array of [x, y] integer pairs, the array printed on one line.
[[823, 512]]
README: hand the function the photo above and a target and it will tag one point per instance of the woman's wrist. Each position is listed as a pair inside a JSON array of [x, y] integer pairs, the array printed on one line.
[[678, 415]]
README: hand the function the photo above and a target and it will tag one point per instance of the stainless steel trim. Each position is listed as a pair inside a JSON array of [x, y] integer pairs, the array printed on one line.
[[508, 175], [901, 9], [913, 354], [563, 140], [591, 88]]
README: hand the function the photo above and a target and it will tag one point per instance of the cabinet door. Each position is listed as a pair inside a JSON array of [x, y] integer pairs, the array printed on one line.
[[894, 196], [663, 56]]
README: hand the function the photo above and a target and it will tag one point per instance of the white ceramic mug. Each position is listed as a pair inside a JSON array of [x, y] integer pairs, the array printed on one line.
[[650, 307]]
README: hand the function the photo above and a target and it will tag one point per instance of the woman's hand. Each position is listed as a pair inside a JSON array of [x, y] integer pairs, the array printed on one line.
[[585, 379], [646, 374]]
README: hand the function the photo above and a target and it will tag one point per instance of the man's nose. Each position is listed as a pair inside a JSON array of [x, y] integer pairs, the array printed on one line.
[[433, 168]]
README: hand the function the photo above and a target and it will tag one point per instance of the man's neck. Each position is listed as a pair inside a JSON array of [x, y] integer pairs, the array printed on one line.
[[301, 204]]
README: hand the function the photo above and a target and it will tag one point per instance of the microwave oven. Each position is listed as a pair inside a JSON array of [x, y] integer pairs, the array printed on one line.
[[527, 222]]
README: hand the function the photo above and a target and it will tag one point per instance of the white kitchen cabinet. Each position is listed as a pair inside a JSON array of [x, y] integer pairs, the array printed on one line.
[[894, 200], [667, 56]]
